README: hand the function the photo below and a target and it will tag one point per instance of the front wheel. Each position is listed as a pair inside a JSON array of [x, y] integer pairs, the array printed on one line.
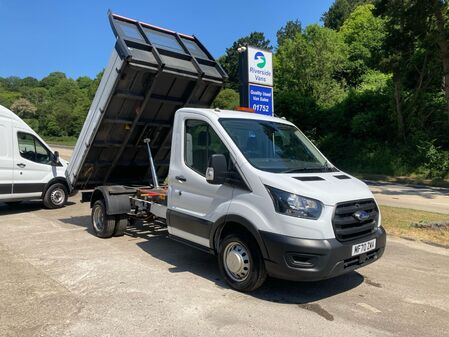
[[241, 263], [55, 196]]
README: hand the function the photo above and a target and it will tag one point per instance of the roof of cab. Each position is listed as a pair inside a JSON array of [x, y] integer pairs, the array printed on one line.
[[218, 113], [5, 112]]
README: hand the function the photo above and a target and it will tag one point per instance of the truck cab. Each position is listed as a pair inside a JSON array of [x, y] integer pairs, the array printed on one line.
[[29, 169]]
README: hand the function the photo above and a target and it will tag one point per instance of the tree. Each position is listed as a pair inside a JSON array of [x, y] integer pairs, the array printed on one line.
[[440, 11], [227, 99], [23, 108], [339, 11], [410, 50], [307, 65], [230, 60], [364, 34], [52, 79], [288, 31]]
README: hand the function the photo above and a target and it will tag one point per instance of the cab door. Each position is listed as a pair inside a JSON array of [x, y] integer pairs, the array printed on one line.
[[6, 159], [194, 204], [32, 165]]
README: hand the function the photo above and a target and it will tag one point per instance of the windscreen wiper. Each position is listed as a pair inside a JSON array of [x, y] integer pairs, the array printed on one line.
[[324, 168], [304, 169]]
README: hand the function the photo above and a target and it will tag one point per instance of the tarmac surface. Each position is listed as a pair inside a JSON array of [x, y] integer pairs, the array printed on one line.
[[57, 279], [425, 198]]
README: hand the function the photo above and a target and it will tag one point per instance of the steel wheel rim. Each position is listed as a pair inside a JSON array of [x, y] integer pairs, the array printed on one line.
[[57, 196], [98, 219], [236, 261]]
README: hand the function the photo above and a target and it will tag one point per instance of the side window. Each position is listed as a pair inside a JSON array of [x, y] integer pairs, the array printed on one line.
[[32, 149], [200, 143]]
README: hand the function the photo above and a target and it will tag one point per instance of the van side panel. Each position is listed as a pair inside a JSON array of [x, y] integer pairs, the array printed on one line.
[[6, 159]]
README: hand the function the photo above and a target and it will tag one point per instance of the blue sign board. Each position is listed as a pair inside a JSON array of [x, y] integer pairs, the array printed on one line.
[[261, 99]]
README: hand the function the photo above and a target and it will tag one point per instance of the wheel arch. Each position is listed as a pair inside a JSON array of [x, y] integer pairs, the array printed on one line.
[[116, 198], [234, 223], [53, 181]]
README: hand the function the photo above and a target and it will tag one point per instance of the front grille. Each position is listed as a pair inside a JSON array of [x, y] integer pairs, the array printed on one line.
[[347, 227]]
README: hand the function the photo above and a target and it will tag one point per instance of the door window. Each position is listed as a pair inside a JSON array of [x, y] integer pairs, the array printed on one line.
[[32, 149], [200, 143]]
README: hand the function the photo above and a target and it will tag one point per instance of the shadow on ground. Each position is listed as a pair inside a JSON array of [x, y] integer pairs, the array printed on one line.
[[187, 259], [183, 258], [24, 207]]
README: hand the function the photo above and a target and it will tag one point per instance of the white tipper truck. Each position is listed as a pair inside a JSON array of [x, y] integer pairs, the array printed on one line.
[[251, 189]]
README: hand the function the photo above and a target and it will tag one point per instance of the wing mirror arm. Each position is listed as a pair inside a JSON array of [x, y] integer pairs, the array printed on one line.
[[55, 158]]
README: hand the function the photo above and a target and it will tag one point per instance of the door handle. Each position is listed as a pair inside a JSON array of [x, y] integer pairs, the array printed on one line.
[[181, 178], [21, 165]]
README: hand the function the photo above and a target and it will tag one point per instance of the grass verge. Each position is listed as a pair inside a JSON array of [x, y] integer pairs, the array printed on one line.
[[399, 222], [67, 141]]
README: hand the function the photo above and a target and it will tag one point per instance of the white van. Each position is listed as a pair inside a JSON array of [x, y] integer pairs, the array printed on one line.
[[29, 169]]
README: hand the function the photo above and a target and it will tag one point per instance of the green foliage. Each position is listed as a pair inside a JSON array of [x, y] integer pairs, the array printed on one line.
[[56, 106], [339, 11], [23, 108], [436, 161], [364, 34], [308, 63], [227, 99], [288, 31]]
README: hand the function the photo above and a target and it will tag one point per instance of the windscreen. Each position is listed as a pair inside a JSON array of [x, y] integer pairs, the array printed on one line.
[[275, 147]]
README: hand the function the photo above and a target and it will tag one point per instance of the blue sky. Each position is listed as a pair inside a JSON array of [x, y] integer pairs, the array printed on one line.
[[38, 37]]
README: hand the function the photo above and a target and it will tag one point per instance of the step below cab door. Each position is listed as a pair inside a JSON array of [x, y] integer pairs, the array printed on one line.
[[6, 159], [33, 167], [194, 204]]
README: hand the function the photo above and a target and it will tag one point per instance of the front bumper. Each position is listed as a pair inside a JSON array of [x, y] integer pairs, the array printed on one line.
[[298, 259]]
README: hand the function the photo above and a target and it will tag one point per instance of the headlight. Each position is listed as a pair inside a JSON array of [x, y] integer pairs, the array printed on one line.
[[295, 205]]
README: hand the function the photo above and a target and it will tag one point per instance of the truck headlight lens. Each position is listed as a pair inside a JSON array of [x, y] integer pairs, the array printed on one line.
[[295, 205]]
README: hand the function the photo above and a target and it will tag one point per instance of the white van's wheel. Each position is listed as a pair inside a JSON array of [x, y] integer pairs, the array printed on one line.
[[103, 225], [241, 263], [55, 196]]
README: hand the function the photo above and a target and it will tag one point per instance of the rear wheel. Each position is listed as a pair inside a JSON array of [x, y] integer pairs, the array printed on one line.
[[241, 263], [121, 222], [55, 196], [103, 225]]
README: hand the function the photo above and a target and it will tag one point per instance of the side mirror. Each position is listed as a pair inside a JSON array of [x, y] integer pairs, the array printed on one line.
[[55, 158], [217, 169]]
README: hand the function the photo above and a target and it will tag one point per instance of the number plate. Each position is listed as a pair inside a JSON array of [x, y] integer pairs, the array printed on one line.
[[363, 247]]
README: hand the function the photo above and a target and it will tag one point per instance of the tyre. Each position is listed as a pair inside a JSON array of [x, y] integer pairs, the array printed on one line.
[[241, 263], [103, 225], [121, 222], [56, 196]]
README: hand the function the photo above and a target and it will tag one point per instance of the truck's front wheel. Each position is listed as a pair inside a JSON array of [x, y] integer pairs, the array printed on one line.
[[103, 225], [241, 263]]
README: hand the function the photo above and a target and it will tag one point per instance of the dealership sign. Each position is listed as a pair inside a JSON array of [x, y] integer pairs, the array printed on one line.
[[256, 75], [261, 99], [260, 67]]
